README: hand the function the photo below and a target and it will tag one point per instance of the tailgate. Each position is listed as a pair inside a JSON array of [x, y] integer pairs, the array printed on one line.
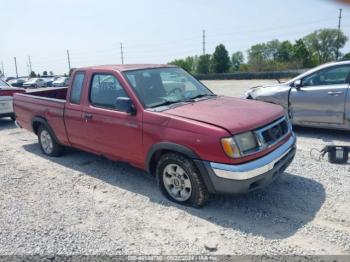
[[27, 107]]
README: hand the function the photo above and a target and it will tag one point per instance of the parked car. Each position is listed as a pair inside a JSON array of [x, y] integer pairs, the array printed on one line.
[[6, 98], [162, 120], [9, 78], [35, 82], [62, 81], [49, 81], [18, 82], [318, 98]]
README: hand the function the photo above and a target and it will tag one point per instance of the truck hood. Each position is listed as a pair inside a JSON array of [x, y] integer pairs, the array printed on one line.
[[233, 114]]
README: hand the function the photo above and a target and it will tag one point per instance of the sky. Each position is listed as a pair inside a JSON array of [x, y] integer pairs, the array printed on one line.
[[151, 31]]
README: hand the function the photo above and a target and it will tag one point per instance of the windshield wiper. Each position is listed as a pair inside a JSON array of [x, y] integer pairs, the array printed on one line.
[[199, 96], [165, 103]]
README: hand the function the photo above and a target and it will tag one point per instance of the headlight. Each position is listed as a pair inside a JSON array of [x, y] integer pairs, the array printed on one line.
[[239, 145]]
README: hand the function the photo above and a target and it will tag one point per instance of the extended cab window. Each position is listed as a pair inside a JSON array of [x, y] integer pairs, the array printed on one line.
[[330, 76], [105, 89], [77, 88]]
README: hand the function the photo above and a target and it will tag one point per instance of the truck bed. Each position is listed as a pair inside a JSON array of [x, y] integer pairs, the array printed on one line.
[[55, 93], [48, 103]]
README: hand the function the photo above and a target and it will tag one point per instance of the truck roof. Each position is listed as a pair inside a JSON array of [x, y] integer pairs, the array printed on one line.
[[127, 67]]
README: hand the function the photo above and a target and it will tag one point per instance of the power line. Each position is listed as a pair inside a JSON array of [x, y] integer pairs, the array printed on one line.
[[339, 22]]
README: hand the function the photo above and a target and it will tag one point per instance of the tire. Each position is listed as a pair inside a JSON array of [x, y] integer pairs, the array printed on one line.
[[180, 181], [47, 142]]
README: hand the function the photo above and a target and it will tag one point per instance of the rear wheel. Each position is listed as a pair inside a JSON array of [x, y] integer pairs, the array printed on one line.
[[180, 181], [48, 144]]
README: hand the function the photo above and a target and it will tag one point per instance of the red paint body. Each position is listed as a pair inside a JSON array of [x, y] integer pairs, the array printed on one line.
[[198, 126]]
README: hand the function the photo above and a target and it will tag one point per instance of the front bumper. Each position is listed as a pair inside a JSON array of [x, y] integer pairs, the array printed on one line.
[[243, 178]]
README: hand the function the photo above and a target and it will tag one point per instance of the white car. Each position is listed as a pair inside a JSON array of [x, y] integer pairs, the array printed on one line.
[[62, 81], [35, 82], [6, 93]]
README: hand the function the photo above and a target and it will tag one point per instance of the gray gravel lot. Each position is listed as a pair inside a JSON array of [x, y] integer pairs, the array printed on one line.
[[83, 204]]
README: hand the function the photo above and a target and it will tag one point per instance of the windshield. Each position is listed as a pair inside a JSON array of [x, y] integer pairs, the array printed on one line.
[[3, 84], [61, 79], [32, 80], [164, 86]]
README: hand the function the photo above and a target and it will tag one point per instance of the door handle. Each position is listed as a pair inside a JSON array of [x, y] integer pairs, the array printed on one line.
[[334, 93], [87, 116]]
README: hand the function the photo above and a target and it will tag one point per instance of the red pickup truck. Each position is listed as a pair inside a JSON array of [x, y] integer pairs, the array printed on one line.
[[162, 120]]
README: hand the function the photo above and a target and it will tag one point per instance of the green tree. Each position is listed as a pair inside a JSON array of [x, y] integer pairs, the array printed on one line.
[[346, 56], [284, 52], [190, 62], [203, 66], [45, 73], [187, 64], [32, 74], [323, 43], [258, 57], [301, 55], [220, 60], [51, 73], [237, 59], [272, 49]]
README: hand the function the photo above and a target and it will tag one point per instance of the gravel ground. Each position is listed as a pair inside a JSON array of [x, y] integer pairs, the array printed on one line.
[[83, 204]]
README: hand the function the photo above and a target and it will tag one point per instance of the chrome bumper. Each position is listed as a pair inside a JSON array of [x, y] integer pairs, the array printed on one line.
[[255, 167]]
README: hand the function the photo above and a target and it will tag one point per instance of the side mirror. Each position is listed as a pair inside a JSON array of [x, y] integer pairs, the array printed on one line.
[[297, 84], [125, 104]]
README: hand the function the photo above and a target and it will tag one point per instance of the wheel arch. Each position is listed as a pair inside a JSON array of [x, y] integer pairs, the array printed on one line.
[[37, 121], [157, 150]]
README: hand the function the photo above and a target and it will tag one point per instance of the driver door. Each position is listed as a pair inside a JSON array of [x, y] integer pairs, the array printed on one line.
[[321, 96]]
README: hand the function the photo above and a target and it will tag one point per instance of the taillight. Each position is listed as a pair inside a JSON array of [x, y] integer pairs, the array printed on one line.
[[8, 92]]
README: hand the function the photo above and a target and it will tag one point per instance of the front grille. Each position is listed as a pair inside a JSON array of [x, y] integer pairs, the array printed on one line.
[[274, 132], [270, 135]]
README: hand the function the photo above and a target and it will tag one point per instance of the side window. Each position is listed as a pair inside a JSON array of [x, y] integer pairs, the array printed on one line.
[[77, 87], [330, 76], [105, 89]]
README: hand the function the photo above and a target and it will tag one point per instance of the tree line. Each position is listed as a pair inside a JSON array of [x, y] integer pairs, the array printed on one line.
[[316, 48]]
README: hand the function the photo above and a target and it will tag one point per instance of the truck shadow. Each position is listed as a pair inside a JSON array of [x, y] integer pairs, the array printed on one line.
[[6, 123], [276, 212]]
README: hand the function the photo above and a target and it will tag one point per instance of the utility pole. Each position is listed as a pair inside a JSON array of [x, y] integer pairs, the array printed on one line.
[[16, 67], [339, 23], [203, 42], [68, 58], [30, 64], [28, 68], [2, 68], [121, 52]]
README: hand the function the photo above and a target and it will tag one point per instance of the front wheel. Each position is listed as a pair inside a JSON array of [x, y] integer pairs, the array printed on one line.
[[48, 144], [180, 180]]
